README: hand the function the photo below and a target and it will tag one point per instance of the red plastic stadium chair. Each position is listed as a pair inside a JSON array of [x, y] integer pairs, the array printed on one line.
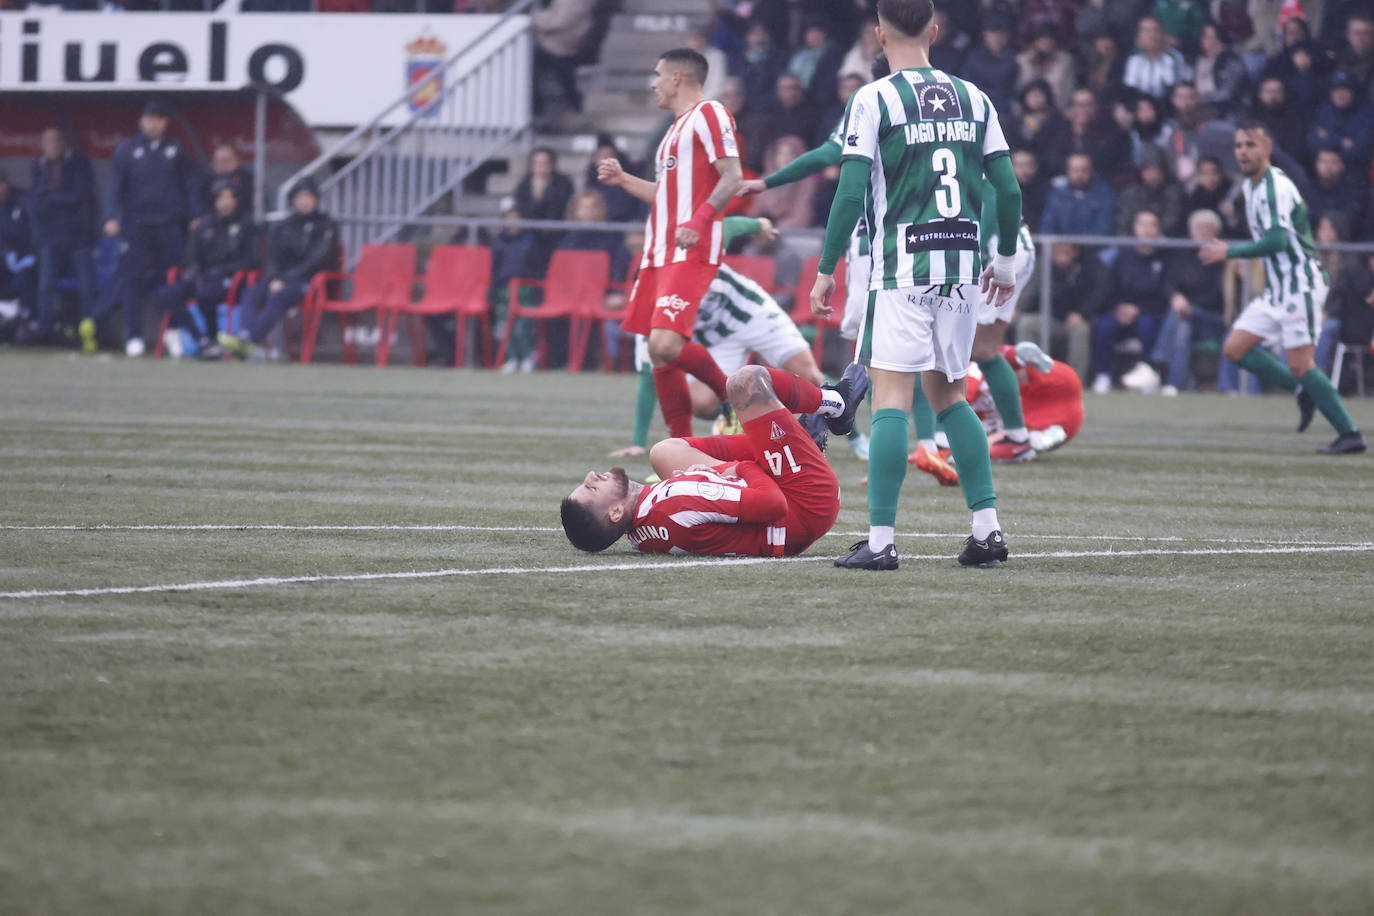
[[456, 282], [574, 279], [381, 281], [801, 309], [763, 271], [240, 281]]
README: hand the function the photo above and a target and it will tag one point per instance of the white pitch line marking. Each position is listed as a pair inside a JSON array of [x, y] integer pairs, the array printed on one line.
[[521, 529], [270, 581]]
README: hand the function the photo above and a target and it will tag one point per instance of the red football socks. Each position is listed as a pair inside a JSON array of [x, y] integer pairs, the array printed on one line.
[[696, 360], [675, 398], [796, 393]]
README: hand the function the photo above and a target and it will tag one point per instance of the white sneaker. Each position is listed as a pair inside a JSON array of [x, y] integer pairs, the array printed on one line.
[[510, 366], [1030, 354], [1169, 391], [134, 347], [1047, 440], [1102, 384], [1142, 379], [527, 364]]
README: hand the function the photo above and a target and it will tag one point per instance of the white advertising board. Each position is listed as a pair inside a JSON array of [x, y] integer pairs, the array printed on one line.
[[336, 69]]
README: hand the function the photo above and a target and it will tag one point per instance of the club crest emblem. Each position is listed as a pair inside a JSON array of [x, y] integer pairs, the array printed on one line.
[[777, 434], [425, 55], [938, 102]]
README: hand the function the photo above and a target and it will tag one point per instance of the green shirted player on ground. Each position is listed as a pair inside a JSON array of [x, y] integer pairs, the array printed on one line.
[[1297, 286], [922, 148]]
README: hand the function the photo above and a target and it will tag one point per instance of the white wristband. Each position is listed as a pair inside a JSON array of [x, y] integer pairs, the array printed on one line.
[[1004, 269]]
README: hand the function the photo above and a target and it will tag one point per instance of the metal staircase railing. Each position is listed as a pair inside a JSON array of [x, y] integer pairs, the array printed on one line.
[[419, 148]]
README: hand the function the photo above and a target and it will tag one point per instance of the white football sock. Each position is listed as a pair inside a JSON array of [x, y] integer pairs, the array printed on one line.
[[832, 403], [1018, 435], [929, 445], [984, 523], [941, 439], [880, 536]]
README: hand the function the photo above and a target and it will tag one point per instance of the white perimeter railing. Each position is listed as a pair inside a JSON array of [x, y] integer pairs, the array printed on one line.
[[474, 105]]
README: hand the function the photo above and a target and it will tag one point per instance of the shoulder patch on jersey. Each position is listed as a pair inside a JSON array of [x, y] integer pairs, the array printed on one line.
[[938, 102]]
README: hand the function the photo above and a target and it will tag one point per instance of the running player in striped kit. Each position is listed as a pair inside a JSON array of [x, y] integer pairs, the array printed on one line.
[[922, 148], [697, 171], [1287, 311]]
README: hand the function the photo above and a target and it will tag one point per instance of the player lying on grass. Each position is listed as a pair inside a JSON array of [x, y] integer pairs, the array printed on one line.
[[737, 317], [766, 493], [1051, 402]]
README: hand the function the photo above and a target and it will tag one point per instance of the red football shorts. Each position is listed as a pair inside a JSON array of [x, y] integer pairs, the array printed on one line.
[[777, 443], [668, 297]]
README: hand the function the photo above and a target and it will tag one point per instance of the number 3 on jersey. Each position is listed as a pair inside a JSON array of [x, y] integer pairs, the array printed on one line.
[[947, 195], [775, 460]]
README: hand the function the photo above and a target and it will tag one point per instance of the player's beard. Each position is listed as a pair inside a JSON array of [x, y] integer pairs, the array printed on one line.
[[622, 481]]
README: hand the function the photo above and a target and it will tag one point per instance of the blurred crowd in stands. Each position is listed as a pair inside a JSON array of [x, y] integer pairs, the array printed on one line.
[[1121, 115]]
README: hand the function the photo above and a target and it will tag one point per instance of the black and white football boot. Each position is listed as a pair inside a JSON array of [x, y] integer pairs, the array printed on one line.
[[988, 552], [861, 557], [852, 386], [1348, 444]]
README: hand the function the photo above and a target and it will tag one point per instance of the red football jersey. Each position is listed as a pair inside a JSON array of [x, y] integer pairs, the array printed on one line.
[[685, 178], [707, 512], [1053, 398]]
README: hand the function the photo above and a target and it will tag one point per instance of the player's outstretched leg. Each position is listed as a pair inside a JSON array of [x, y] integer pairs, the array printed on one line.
[[674, 357], [1002, 384], [1349, 440]]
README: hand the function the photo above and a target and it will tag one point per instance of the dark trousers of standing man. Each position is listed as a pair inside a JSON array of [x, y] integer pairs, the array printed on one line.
[[51, 259], [147, 252], [262, 309]]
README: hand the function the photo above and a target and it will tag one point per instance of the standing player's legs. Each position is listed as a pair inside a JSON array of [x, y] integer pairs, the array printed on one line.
[[929, 332], [1296, 330], [672, 295], [998, 374]]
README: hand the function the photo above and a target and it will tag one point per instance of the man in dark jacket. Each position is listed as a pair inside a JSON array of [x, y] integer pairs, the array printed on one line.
[[16, 249], [226, 168], [306, 243], [221, 245], [1193, 291], [1079, 288], [152, 198], [1345, 123], [1080, 203], [63, 193], [1139, 301], [991, 65]]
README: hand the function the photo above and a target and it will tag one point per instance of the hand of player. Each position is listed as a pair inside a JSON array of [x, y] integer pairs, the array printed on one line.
[[629, 451], [767, 231], [686, 238], [821, 292], [609, 172], [1213, 252], [751, 186], [997, 294]]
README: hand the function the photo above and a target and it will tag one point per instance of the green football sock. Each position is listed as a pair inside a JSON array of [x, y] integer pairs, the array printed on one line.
[[969, 443], [1005, 389], [1264, 364], [1328, 401], [923, 412], [886, 465], [644, 407]]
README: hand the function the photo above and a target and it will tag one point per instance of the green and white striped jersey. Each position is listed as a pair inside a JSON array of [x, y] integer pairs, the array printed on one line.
[[927, 136], [860, 231], [731, 302], [1273, 200]]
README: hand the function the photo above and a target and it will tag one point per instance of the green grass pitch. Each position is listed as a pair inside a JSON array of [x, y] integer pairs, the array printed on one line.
[[1163, 704]]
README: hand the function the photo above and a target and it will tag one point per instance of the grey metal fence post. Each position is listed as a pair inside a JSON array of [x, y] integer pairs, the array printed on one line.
[[1045, 267]]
